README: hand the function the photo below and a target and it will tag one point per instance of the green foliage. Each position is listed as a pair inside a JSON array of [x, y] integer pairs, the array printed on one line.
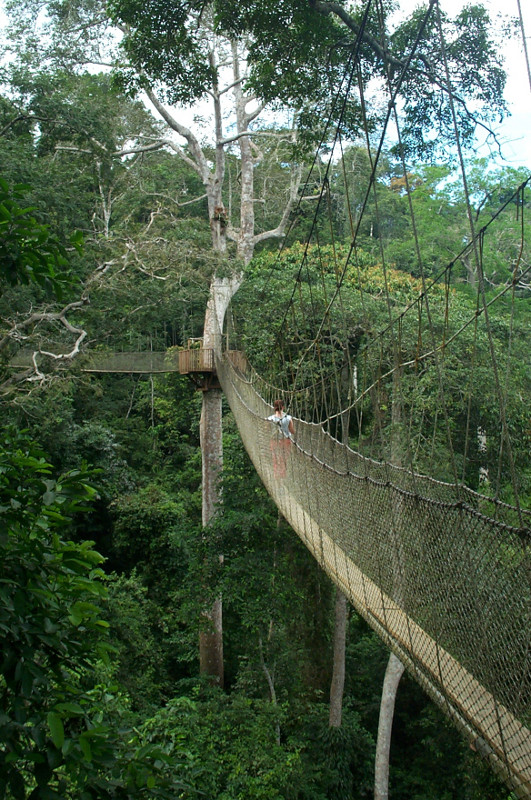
[[140, 635], [50, 621], [145, 524], [61, 734], [166, 41], [28, 251], [243, 748]]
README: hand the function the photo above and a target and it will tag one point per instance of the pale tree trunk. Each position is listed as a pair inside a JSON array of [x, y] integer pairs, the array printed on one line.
[[395, 668], [245, 242], [338, 674], [482, 450], [106, 202], [393, 673]]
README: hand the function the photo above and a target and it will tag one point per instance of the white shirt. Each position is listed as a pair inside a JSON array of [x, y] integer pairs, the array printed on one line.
[[282, 423]]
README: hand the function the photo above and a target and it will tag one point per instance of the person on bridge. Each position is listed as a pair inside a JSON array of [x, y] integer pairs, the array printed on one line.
[[284, 432]]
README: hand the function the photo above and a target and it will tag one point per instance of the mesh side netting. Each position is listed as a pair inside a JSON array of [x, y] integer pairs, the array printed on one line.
[[440, 572], [147, 362], [142, 362]]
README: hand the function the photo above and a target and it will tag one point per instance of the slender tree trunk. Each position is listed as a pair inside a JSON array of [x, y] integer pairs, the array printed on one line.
[[338, 674], [393, 673], [482, 450], [395, 668], [341, 614], [211, 638]]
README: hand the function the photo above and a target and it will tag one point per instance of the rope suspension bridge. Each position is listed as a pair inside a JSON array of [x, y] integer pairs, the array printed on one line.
[[406, 473]]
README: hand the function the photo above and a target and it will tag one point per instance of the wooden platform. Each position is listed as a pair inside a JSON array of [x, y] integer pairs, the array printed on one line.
[[196, 359]]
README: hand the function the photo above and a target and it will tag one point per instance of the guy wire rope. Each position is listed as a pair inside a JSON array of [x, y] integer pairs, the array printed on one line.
[[479, 265], [349, 71], [379, 149], [339, 94], [524, 41]]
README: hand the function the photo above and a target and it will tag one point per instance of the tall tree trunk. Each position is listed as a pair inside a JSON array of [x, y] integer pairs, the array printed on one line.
[[393, 673], [221, 292], [338, 674], [337, 684], [211, 433], [211, 638], [395, 668], [210, 429]]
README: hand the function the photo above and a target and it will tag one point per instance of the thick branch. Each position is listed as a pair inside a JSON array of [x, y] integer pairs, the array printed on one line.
[[16, 329], [198, 162], [22, 118], [279, 231], [328, 8]]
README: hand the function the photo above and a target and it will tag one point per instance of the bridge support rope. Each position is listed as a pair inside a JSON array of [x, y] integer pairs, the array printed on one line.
[[458, 618]]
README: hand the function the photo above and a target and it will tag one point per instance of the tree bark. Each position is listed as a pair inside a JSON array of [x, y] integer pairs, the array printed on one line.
[[393, 673], [211, 433], [338, 674], [221, 292], [211, 638], [395, 668]]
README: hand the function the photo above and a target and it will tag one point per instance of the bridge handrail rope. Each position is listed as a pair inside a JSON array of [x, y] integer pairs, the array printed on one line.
[[325, 498], [453, 496]]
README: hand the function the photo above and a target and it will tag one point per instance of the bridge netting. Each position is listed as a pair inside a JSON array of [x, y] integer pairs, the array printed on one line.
[[440, 572], [391, 380]]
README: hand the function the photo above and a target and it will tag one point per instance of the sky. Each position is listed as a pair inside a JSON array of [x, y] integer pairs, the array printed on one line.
[[515, 132]]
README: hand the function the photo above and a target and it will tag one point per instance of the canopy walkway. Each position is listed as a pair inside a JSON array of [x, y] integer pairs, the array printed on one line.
[[441, 573]]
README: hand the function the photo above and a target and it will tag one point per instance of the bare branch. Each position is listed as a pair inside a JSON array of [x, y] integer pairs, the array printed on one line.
[[254, 114], [230, 86], [174, 201], [280, 230], [16, 331], [72, 149], [199, 162], [228, 140], [147, 148], [22, 118]]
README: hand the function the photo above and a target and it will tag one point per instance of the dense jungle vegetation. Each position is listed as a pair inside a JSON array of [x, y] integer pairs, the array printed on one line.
[[105, 565]]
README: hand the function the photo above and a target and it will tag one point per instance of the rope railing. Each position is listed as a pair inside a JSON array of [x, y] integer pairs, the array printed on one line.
[[440, 572]]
